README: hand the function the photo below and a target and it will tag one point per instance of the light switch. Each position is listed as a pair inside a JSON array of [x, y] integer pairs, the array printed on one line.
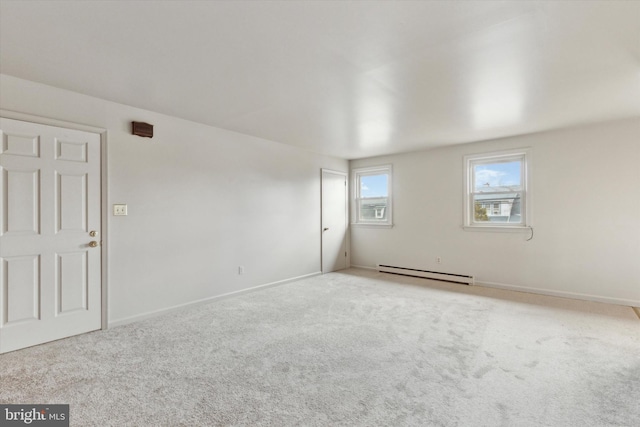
[[119, 210]]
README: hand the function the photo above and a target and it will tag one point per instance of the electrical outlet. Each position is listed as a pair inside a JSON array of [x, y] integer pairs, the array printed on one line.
[[241, 270], [439, 260], [120, 209]]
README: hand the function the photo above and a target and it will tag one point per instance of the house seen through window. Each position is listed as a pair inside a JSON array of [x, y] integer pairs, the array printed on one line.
[[496, 194], [372, 188]]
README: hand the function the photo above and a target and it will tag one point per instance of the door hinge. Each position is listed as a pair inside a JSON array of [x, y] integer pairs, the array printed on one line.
[[345, 254]]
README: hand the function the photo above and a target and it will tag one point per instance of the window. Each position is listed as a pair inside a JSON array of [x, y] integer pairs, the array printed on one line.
[[497, 190], [372, 188]]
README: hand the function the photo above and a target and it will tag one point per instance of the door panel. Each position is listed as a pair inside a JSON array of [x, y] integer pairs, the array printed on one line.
[[72, 281], [49, 275], [21, 145], [22, 288], [71, 202], [20, 200], [334, 221]]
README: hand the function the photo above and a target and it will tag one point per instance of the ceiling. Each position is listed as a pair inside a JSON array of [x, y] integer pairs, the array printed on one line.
[[351, 79]]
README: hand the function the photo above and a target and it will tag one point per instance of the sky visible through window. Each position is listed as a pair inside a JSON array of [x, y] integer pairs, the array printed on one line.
[[374, 185], [497, 175]]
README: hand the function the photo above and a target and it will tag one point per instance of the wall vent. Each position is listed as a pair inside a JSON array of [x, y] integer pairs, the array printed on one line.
[[142, 129], [446, 277]]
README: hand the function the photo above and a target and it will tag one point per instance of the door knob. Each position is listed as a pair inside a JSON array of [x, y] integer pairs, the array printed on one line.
[[93, 233], [325, 229], [93, 243]]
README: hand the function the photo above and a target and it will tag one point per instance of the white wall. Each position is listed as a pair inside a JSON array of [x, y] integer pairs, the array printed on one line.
[[202, 201], [586, 216]]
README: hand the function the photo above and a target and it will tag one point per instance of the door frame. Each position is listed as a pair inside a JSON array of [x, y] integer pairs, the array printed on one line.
[[104, 191], [346, 219]]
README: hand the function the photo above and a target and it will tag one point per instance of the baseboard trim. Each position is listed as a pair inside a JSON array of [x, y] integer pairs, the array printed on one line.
[[151, 314], [364, 267], [562, 294], [635, 304]]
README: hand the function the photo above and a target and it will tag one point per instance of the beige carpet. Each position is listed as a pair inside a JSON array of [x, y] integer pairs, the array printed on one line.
[[348, 348]]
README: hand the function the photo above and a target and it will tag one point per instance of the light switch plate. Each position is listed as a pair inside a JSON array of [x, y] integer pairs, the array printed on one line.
[[119, 210]]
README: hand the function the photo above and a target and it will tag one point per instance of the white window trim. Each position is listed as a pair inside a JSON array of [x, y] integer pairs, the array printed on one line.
[[374, 170], [527, 224]]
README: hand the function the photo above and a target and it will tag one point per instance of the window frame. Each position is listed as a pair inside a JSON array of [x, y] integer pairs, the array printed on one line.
[[470, 161], [368, 171]]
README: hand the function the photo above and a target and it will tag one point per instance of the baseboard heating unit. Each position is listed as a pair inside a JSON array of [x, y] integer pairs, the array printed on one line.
[[447, 277]]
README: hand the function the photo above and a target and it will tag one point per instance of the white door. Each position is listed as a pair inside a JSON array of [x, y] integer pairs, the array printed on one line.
[[50, 280], [334, 221]]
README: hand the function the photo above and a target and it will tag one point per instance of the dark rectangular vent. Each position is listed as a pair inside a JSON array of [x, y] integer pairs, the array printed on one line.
[[142, 129]]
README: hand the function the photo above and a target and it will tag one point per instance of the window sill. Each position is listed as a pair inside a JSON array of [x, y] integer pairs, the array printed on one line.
[[498, 229], [370, 225]]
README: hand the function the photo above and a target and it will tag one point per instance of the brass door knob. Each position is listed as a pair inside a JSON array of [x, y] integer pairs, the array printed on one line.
[[93, 233], [93, 244]]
